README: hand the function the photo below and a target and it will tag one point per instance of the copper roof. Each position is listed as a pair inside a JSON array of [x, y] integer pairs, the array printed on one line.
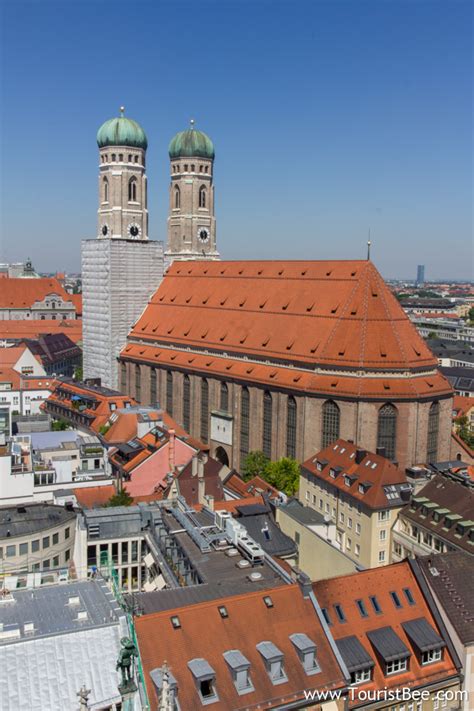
[[336, 316]]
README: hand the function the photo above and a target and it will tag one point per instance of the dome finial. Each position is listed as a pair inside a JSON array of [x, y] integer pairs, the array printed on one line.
[[122, 111], [192, 124]]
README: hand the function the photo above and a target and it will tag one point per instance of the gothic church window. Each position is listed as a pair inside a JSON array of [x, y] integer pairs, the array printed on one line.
[[244, 425], [433, 427], [202, 196], [132, 190], [138, 383], [204, 410], [177, 197], [267, 424], [153, 386], [331, 422], [186, 403], [291, 428], [224, 397], [387, 430], [169, 392]]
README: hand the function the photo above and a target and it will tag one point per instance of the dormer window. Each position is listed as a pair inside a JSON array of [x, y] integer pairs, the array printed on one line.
[[347, 480], [239, 667], [319, 466], [205, 678], [361, 677], [273, 660], [306, 651], [332, 473]]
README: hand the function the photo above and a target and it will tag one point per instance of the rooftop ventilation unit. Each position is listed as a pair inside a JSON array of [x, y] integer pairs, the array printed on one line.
[[82, 615], [232, 552], [74, 600], [243, 563], [255, 577]]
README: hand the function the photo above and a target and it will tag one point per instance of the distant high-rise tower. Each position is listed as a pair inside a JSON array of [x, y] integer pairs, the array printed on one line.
[[122, 267], [191, 221], [420, 275]]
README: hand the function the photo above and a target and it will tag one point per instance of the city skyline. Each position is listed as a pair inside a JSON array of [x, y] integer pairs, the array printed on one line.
[[328, 121]]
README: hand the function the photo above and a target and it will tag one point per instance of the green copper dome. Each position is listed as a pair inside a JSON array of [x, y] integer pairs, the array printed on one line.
[[121, 131], [191, 142]]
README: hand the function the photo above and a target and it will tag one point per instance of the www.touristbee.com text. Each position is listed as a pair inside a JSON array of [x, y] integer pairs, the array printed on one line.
[[404, 693]]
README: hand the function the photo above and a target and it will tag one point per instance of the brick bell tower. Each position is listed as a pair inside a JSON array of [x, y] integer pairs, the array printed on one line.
[[191, 220]]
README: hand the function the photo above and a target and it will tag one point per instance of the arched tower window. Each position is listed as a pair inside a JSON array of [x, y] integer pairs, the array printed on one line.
[[153, 386], [387, 430], [169, 392], [138, 383], [291, 427], [106, 190], [224, 397], [331, 423], [244, 424], [267, 424], [186, 403], [433, 429], [204, 410], [132, 189], [177, 197], [202, 196]]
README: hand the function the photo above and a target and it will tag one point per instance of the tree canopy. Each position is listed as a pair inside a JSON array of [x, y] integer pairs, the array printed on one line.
[[283, 474]]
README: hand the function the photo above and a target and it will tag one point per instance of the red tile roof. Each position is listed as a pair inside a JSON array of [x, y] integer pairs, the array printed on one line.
[[373, 469], [250, 488], [462, 405], [17, 329], [94, 496], [347, 589], [23, 293], [205, 634], [323, 314]]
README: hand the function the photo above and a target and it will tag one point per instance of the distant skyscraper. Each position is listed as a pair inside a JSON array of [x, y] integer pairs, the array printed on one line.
[[420, 275], [122, 267]]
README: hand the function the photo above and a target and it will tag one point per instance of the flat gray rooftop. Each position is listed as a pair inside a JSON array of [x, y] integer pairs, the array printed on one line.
[[25, 520]]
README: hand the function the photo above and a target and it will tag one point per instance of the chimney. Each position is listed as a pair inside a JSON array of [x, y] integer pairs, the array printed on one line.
[[305, 584], [194, 465], [360, 455], [202, 491], [210, 501], [171, 450]]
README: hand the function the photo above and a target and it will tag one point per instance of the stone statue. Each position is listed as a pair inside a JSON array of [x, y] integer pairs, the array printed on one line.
[[125, 663]]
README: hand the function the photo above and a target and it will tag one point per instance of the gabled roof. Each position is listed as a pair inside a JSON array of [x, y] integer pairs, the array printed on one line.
[[326, 314], [188, 484], [383, 478], [16, 329], [384, 634], [205, 634], [93, 496], [23, 293]]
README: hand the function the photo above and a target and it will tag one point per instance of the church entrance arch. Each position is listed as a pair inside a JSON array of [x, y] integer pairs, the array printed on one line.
[[222, 456]]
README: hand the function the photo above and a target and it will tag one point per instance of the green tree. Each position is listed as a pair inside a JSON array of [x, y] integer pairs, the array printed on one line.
[[255, 464], [121, 498], [78, 374], [59, 425], [470, 314], [284, 475], [464, 431]]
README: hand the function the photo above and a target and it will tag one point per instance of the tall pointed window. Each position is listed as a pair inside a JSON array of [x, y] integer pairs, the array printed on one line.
[[186, 403], [132, 190], [204, 410], [224, 397], [123, 377], [267, 424], [138, 383], [177, 197], [169, 392], [202, 196], [153, 386], [331, 422], [433, 428], [244, 424], [387, 430], [106, 190], [291, 428]]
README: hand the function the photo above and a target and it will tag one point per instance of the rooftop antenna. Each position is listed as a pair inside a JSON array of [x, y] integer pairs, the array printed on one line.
[[122, 111], [368, 247]]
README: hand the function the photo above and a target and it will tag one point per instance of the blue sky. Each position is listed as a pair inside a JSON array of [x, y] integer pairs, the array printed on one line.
[[328, 118]]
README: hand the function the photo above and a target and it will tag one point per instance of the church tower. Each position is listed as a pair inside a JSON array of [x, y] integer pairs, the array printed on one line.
[[191, 221], [122, 212]]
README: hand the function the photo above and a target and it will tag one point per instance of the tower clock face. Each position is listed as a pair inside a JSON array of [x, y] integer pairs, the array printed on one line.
[[134, 230], [105, 230], [203, 234]]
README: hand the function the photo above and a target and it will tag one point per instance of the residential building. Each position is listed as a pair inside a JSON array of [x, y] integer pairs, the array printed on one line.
[[464, 407], [122, 267], [35, 299], [15, 331], [453, 329], [461, 379], [58, 640], [83, 404], [18, 270], [34, 537], [278, 345], [452, 354], [361, 493], [260, 649], [58, 353], [438, 519], [450, 578], [24, 385], [390, 635]]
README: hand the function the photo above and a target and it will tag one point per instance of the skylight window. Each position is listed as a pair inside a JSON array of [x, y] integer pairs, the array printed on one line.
[[362, 608], [268, 601], [409, 596], [326, 616], [175, 621], [223, 611], [396, 600], [340, 613], [375, 604]]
